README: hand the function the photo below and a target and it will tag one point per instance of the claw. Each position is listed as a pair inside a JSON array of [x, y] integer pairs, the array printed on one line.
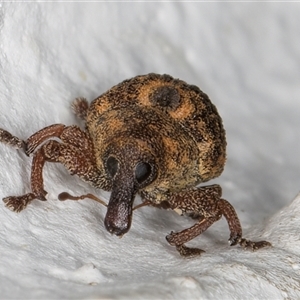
[[247, 244], [17, 204], [41, 195], [234, 239], [170, 238], [188, 252]]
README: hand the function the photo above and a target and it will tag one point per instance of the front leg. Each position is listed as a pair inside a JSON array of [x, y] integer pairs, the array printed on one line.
[[75, 153], [18, 203], [206, 201]]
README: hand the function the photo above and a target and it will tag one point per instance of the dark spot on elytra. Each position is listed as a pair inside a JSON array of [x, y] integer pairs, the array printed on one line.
[[165, 96]]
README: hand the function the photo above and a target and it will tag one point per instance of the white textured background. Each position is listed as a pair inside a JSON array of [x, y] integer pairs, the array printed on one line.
[[245, 56]]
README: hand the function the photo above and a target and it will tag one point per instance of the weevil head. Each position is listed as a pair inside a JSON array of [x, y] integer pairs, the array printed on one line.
[[131, 167]]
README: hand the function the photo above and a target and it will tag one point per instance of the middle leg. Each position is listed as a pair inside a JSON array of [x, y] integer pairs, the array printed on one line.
[[206, 202]]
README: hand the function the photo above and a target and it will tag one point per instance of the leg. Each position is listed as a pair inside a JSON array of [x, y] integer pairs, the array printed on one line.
[[76, 155], [233, 221], [206, 202], [35, 140], [11, 140], [236, 229], [80, 107], [75, 162], [180, 238], [18, 203], [70, 135]]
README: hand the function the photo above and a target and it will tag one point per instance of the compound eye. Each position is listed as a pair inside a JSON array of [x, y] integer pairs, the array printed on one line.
[[142, 172], [112, 165]]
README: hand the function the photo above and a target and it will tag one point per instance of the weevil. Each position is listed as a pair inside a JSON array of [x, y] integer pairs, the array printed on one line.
[[151, 135]]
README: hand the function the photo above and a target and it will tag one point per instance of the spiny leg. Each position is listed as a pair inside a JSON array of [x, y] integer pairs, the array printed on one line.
[[75, 161], [36, 179], [200, 204], [43, 135], [76, 152], [206, 202], [18, 203], [71, 135], [236, 229], [15, 203], [180, 238]]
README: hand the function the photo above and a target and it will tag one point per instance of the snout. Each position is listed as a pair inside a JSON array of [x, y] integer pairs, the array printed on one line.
[[119, 210], [129, 170], [118, 217]]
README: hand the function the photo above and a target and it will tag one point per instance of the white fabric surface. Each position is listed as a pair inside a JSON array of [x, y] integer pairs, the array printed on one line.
[[245, 56]]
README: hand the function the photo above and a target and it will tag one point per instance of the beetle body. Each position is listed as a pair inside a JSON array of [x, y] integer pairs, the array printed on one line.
[[151, 135]]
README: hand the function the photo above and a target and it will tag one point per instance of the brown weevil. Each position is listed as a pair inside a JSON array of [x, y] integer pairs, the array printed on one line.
[[151, 135]]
